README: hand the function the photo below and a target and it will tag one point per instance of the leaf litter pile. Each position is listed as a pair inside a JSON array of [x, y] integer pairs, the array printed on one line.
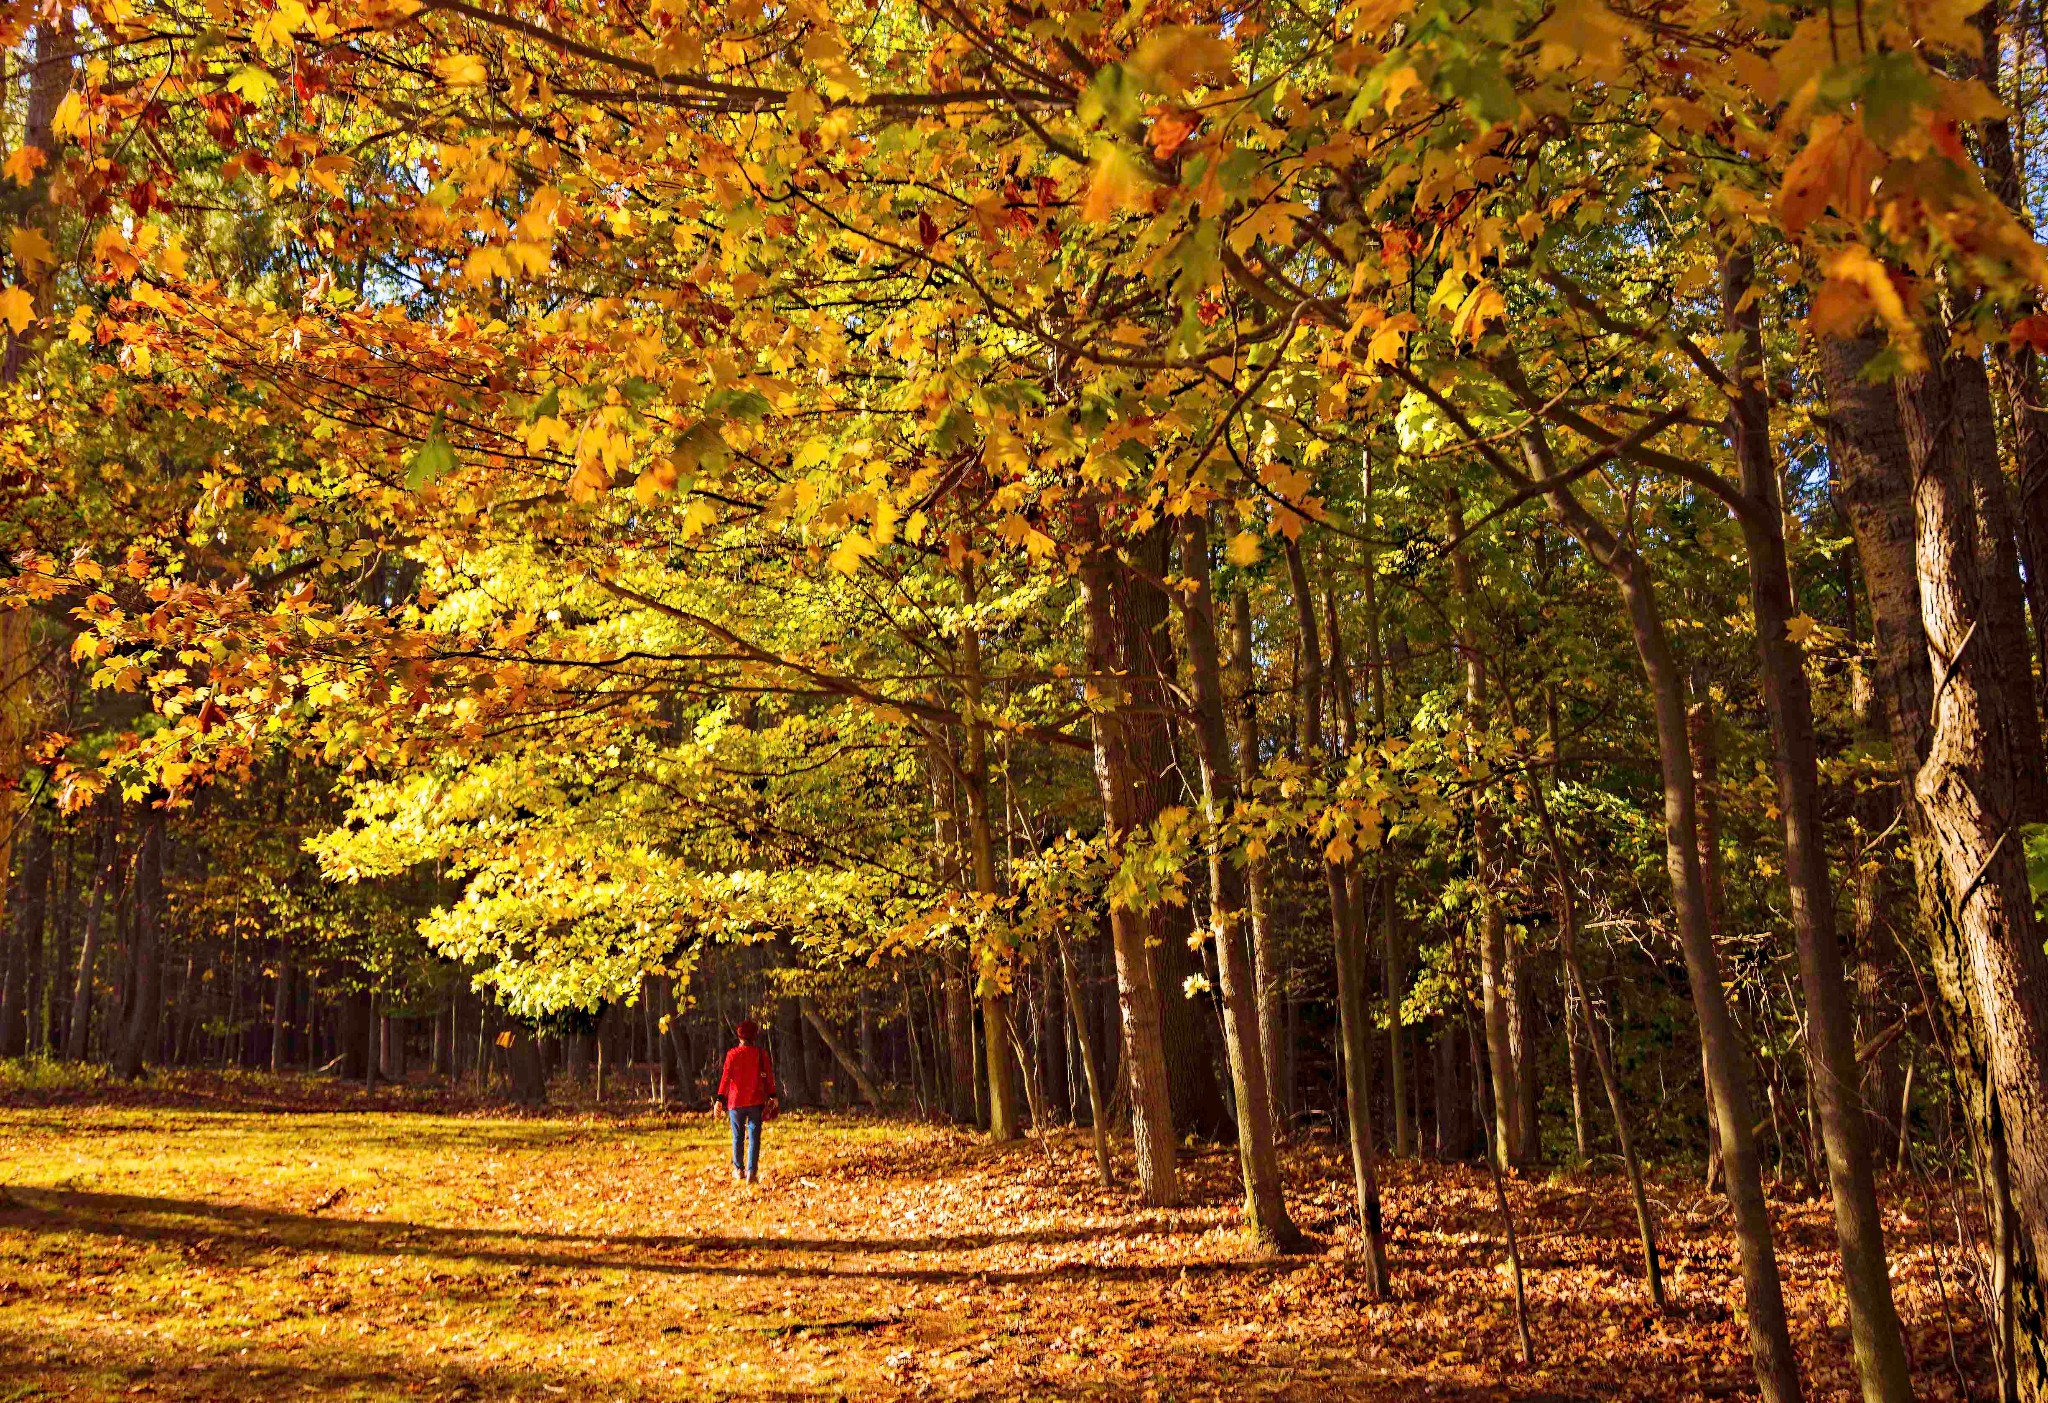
[[199, 1252]]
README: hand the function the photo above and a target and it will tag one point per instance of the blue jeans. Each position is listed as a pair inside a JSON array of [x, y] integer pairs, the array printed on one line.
[[746, 1140]]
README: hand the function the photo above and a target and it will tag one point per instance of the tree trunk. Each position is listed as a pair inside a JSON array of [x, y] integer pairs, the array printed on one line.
[[1763, 1292], [1098, 1099], [1259, 1161], [1267, 975], [1877, 1341], [528, 1072], [280, 1017], [138, 1039], [995, 1001], [1347, 940], [1138, 1001], [847, 1063], [106, 875], [1979, 783], [1494, 970]]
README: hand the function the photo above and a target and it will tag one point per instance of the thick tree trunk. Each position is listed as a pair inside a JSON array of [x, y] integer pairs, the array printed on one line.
[[1877, 1341], [1138, 996], [528, 1072], [1267, 974], [1979, 782], [1148, 656], [1259, 1161]]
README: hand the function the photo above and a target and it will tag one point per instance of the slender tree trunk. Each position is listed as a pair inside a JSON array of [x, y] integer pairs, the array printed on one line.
[[1259, 1160], [1098, 1101], [1271, 993], [1138, 1000], [995, 1002], [138, 1039], [106, 873], [1393, 978], [1877, 1340], [1494, 972], [848, 1064], [1763, 1292], [1354, 1026], [957, 987]]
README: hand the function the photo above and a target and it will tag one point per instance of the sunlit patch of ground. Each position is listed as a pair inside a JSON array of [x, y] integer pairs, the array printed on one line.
[[200, 1251]]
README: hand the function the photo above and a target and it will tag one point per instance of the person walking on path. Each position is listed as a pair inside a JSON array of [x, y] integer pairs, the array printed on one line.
[[746, 1093]]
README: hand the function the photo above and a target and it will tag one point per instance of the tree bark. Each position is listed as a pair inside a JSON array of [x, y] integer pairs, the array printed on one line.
[[1978, 784], [106, 875]]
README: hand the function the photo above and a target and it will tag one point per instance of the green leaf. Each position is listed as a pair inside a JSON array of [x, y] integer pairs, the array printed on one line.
[[435, 459]]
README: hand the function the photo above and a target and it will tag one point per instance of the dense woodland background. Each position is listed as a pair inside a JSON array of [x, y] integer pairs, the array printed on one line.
[[1464, 578]]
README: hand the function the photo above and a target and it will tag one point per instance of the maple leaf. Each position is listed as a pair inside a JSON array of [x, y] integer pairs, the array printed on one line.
[[17, 308], [23, 162], [461, 70]]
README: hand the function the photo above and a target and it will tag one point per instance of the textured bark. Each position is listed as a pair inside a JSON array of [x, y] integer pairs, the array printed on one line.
[[1978, 783], [1266, 972], [1259, 1161], [1138, 1001], [1876, 1338]]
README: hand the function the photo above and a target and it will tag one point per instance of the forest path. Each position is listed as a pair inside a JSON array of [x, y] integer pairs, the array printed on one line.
[[200, 1253]]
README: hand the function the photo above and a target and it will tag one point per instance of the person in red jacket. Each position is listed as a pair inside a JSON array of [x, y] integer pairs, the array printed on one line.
[[745, 1092]]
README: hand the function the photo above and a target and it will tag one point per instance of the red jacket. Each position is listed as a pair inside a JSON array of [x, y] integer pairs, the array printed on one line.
[[749, 1078]]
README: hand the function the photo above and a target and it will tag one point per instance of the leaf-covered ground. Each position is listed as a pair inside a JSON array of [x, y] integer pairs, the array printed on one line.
[[287, 1248]]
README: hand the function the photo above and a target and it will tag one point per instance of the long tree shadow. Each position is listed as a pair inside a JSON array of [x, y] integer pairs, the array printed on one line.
[[221, 1229]]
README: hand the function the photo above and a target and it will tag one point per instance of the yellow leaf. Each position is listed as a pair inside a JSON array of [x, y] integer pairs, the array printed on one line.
[[1801, 627], [252, 83], [23, 162], [17, 309], [1181, 56], [1245, 548], [1115, 185], [461, 70], [30, 249], [1385, 346], [1483, 305]]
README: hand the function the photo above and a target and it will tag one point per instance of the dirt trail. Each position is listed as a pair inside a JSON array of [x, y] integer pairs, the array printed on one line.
[[217, 1254]]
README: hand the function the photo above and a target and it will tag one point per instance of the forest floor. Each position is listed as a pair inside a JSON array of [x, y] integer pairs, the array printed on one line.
[[258, 1239]]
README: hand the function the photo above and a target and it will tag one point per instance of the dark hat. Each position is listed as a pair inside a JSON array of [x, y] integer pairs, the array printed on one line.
[[748, 1030]]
